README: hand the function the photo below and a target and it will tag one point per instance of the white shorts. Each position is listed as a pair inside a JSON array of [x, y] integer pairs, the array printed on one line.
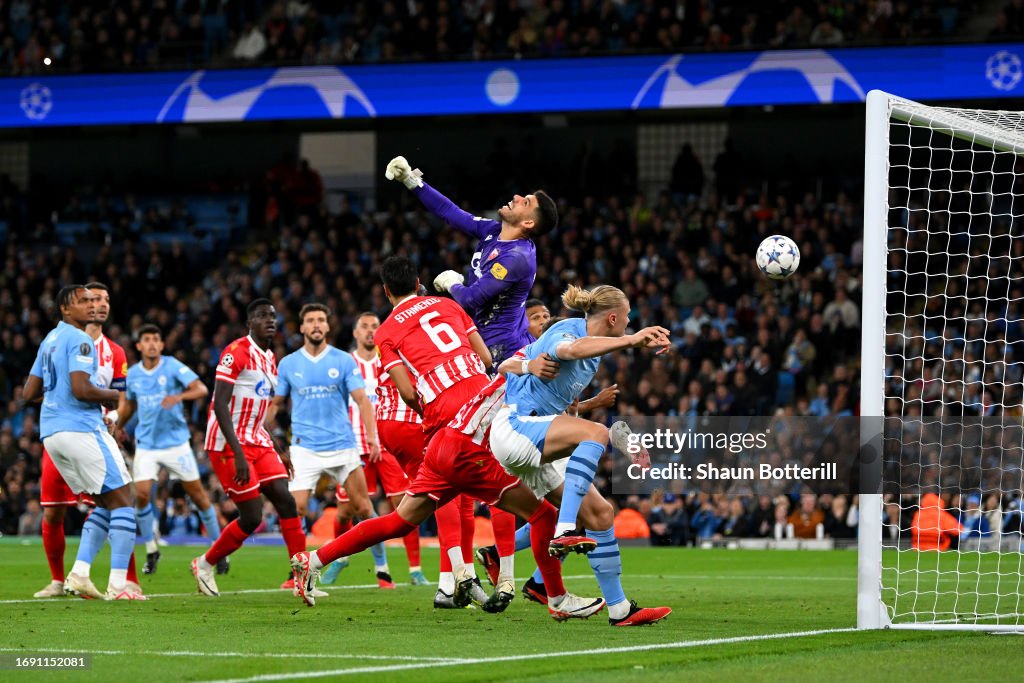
[[90, 462], [309, 465], [518, 442], [180, 461]]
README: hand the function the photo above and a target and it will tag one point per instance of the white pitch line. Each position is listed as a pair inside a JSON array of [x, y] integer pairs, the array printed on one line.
[[540, 655], [268, 655], [683, 577]]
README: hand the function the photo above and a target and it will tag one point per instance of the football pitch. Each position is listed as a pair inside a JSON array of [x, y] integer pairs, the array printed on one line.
[[754, 615]]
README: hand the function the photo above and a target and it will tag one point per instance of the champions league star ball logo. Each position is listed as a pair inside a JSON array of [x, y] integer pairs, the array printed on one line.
[[36, 101], [286, 93], [673, 86], [1003, 70]]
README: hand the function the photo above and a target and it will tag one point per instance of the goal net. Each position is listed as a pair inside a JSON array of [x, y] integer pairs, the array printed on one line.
[[942, 362]]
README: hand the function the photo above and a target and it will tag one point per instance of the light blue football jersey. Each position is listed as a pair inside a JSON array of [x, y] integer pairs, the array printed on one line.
[[66, 349], [534, 396], [159, 428], [319, 388]]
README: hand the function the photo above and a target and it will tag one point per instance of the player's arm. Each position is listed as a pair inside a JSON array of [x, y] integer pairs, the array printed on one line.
[[125, 410], [594, 347], [275, 407], [604, 399], [435, 202], [497, 277], [84, 390], [543, 366], [193, 392], [477, 342], [222, 391], [367, 415], [32, 392], [400, 376]]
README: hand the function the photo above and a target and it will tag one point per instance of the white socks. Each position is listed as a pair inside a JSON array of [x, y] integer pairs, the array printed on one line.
[[618, 610], [562, 527], [81, 569]]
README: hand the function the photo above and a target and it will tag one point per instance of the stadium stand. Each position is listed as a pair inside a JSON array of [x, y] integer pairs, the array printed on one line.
[[159, 34]]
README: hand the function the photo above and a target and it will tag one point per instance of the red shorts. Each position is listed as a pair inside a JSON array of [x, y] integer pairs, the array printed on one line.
[[443, 409], [454, 464], [405, 440], [54, 491], [387, 470], [264, 466]]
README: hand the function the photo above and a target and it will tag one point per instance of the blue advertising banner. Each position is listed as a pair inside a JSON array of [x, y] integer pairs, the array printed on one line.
[[565, 85]]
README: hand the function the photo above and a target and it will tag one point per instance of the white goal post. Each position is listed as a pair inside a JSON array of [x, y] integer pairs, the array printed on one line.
[[942, 359]]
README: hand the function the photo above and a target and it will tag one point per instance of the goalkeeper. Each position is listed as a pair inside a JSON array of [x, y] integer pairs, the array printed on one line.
[[504, 264]]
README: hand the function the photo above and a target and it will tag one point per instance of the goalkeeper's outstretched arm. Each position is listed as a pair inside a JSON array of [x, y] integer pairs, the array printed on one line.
[[435, 202]]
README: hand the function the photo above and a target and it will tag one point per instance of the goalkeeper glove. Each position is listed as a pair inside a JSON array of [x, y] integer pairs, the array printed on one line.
[[399, 169], [444, 281]]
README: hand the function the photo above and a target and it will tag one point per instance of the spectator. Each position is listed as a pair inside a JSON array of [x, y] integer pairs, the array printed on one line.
[[251, 44], [31, 522], [837, 522], [932, 527], [690, 291], [704, 521], [669, 522], [973, 522], [629, 523], [687, 174], [807, 521]]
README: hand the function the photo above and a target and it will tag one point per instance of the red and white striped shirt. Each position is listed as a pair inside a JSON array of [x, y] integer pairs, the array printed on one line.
[[431, 336], [253, 374], [113, 364], [390, 405], [370, 370], [476, 416]]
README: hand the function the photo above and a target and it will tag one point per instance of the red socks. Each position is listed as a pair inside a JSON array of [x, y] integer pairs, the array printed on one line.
[[504, 525], [231, 539], [341, 527], [412, 547], [449, 530], [542, 530], [53, 546], [363, 535], [468, 527], [294, 537]]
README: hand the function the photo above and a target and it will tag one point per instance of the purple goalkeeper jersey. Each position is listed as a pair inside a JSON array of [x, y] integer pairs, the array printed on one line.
[[499, 282]]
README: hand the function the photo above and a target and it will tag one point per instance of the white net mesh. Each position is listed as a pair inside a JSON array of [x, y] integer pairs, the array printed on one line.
[[954, 361]]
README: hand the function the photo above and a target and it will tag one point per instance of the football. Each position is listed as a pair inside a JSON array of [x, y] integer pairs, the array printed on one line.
[[778, 257]]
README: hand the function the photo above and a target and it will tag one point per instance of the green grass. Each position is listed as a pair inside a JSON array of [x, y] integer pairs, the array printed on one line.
[[715, 594]]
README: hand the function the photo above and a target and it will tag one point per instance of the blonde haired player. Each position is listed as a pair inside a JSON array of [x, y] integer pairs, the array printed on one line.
[[557, 455]]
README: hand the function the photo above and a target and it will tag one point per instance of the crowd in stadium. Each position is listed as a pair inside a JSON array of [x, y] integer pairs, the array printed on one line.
[[152, 34]]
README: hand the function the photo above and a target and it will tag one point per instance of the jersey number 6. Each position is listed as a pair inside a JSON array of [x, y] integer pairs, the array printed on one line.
[[441, 334]]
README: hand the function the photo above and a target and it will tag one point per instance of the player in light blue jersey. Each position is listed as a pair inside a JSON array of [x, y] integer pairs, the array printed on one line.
[[156, 387], [73, 432], [319, 378], [531, 436]]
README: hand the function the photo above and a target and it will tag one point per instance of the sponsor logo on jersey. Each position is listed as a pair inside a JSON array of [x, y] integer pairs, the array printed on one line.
[[263, 389], [499, 271]]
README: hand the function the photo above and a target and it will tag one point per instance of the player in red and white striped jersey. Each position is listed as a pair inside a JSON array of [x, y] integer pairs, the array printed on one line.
[[440, 347], [389, 469], [240, 448], [453, 464], [55, 494]]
